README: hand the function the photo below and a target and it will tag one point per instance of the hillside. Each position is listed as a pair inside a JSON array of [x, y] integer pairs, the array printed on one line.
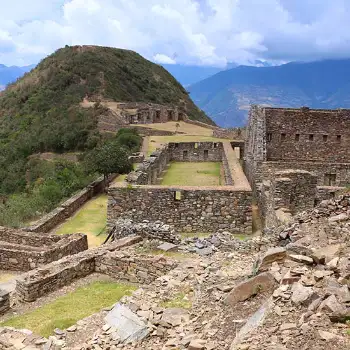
[[41, 112], [227, 95]]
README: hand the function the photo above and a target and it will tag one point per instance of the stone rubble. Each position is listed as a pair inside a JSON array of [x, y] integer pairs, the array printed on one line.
[[155, 230], [285, 290]]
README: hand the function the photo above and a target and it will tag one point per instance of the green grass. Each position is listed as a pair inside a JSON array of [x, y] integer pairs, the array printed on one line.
[[180, 300], [193, 174], [91, 219], [67, 310]]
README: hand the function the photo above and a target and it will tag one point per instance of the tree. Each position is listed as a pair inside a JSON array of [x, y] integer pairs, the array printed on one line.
[[109, 158], [177, 127]]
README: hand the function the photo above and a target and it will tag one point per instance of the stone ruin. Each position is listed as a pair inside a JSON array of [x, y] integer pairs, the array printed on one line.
[[303, 263], [188, 208], [24, 251], [147, 229], [296, 157]]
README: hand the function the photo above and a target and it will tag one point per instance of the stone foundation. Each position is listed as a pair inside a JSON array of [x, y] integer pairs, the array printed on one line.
[[141, 269], [23, 251], [58, 274]]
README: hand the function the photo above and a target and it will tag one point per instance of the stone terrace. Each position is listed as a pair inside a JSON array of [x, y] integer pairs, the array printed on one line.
[[24, 251]]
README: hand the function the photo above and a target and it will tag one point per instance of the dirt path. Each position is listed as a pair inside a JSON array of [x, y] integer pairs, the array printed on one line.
[[239, 178]]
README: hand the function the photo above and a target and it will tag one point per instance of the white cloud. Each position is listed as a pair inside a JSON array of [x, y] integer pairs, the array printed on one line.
[[210, 32], [160, 58]]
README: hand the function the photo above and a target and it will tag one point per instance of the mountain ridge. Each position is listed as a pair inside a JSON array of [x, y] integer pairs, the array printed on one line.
[[227, 95]]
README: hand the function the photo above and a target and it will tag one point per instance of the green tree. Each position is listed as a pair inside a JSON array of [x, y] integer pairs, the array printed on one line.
[[109, 158]]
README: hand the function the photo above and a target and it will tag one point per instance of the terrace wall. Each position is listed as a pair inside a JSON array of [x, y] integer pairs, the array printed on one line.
[[104, 259], [130, 268], [22, 251], [71, 205], [189, 209]]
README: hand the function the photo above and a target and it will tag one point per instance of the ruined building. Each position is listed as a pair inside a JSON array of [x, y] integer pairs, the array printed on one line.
[[296, 157]]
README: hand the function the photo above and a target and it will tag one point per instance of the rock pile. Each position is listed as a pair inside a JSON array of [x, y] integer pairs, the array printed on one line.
[[225, 241], [311, 305], [153, 230]]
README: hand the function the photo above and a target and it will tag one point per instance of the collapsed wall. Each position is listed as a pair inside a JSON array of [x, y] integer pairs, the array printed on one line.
[[107, 260], [286, 193], [24, 251]]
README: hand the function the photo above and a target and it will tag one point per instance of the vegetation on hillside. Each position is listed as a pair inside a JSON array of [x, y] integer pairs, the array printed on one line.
[[46, 183], [41, 113]]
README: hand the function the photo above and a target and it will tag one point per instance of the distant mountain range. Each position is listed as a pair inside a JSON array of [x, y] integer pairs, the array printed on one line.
[[11, 74], [188, 75], [227, 95]]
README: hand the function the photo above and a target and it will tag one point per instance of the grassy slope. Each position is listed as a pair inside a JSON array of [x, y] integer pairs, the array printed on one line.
[[67, 310], [91, 219], [193, 174]]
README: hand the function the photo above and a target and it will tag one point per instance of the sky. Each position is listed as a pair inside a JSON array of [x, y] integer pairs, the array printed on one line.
[[192, 32]]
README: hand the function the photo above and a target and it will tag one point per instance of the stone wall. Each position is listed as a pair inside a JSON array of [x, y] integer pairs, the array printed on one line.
[[23, 251], [66, 209], [328, 192], [308, 134], [151, 168], [189, 209], [130, 268], [144, 131], [195, 151], [4, 301], [198, 123], [255, 147], [340, 171], [53, 276], [288, 191]]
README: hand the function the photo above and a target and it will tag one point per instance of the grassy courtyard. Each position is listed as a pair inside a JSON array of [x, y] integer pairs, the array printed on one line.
[[193, 174], [90, 219], [68, 309]]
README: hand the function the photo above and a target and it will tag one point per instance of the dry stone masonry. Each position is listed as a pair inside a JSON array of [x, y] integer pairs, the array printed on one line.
[[189, 209], [24, 251], [307, 141]]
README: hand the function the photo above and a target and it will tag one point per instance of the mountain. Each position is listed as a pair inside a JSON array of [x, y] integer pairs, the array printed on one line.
[[41, 111], [188, 75], [227, 95], [10, 74]]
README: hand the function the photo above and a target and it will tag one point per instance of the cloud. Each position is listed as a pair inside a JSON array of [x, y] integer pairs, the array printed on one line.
[[203, 32], [160, 58]]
